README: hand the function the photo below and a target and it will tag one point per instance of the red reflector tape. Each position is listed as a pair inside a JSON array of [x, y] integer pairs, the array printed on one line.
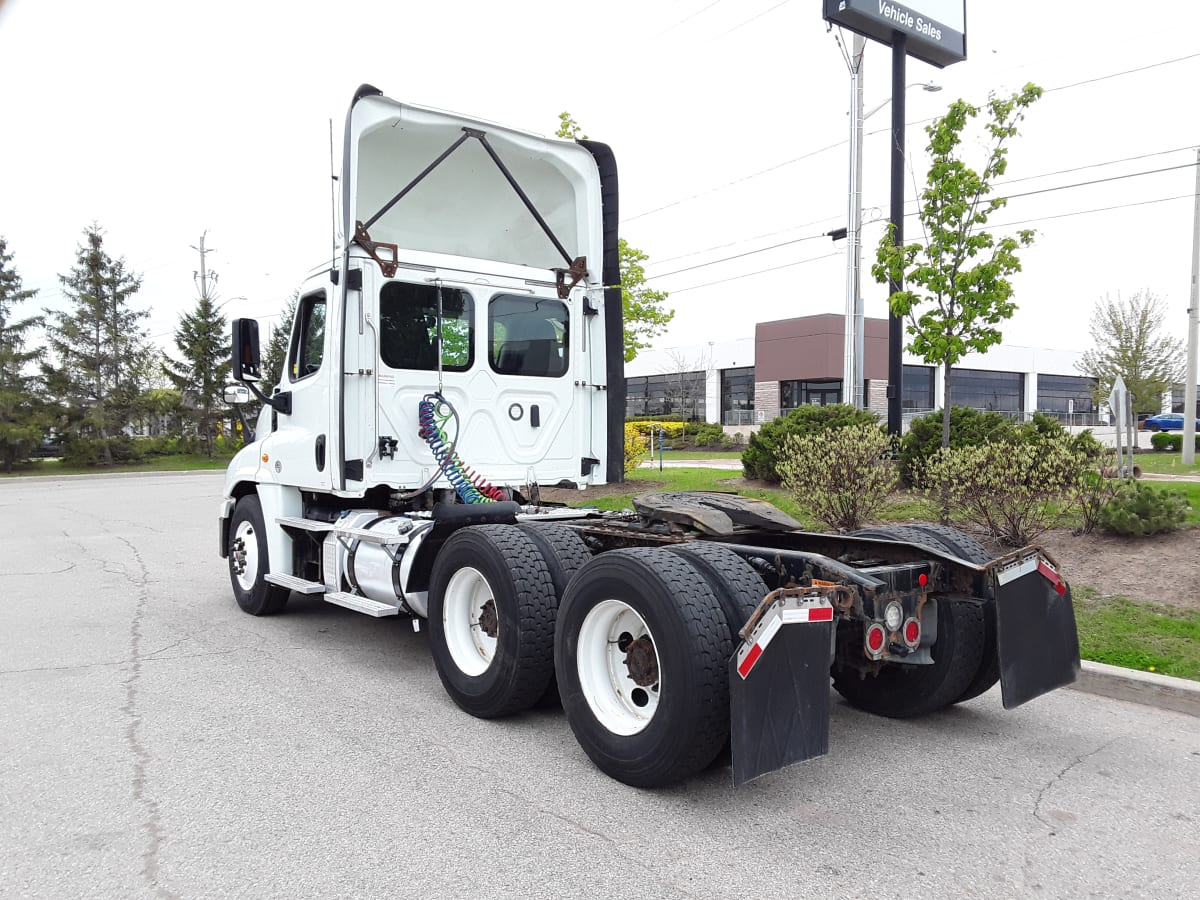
[[809, 614], [1050, 575], [750, 660]]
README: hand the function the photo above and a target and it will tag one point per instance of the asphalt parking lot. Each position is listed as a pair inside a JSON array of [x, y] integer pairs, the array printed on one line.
[[157, 742]]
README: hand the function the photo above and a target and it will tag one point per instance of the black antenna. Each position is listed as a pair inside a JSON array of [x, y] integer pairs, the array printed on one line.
[[332, 201]]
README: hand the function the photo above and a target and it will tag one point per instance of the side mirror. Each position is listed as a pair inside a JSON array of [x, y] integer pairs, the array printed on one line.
[[237, 394], [246, 357]]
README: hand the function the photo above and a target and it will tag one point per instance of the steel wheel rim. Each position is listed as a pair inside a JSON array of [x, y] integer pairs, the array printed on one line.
[[471, 648], [618, 702], [244, 553]]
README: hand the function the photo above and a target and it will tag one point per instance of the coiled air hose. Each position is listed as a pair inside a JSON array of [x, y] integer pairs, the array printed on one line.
[[470, 486]]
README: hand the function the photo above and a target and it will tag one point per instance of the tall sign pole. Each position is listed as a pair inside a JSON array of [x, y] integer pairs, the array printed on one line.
[[895, 387], [933, 31], [1189, 386]]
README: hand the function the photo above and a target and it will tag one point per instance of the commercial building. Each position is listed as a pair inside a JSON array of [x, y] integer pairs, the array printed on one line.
[[792, 362]]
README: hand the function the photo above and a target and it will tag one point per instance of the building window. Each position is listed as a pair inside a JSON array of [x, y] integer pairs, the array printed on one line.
[[918, 388], [809, 393], [408, 327], [529, 336], [998, 391], [737, 396], [1066, 395]]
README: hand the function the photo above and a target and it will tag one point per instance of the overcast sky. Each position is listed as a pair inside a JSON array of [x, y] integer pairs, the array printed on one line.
[[728, 119]]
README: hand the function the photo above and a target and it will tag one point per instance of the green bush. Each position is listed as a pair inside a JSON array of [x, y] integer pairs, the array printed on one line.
[[762, 454], [842, 475], [88, 452], [968, 428], [1137, 509], [1010, 489], [708, 435], [1164, 440]]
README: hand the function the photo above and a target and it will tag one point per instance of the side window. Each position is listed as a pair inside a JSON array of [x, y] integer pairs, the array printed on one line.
[[528, 336], [308, 338], [408, 327]]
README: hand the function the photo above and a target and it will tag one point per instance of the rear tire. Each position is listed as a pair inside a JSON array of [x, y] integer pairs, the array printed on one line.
[[249, 562], [641, 656], [565, 553], [492, 609], [735, 584], [902, 692]]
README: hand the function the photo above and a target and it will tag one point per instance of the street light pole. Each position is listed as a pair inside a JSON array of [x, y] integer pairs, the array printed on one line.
[[1189, 386], [853, 375], [852, 370]]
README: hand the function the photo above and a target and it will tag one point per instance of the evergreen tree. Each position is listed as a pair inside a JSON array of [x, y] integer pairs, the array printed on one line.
[[100, 350], [21, 418], [203, 339], [275, 357]]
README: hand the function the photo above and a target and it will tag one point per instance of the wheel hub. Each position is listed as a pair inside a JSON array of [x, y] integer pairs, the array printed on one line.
[[642, 662], [237, 553], [489, 622]]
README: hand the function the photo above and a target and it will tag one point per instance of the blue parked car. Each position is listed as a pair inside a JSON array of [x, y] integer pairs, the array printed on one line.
[[1167, 422]]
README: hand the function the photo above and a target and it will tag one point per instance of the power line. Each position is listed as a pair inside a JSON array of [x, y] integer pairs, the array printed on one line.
[[1111, 162], [1063, 187], [1165, 62], [907, 125], [688, 18], [1084, 212], [755, 17], [759, 272], [714, 262]]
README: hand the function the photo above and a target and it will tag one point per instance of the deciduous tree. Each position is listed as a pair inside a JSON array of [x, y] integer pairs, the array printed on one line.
[[956, 281], [642, 308], [275, 356], [1129, 341]]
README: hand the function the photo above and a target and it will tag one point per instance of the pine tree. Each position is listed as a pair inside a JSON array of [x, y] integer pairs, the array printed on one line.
[[100, 350], [203, 339], [275, 356], [21, 417]]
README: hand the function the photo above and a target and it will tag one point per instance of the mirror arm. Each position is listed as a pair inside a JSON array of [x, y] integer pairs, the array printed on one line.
[[281, 402]]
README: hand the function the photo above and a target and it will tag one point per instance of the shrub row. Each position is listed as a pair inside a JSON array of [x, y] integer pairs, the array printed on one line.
[[1167, 441]]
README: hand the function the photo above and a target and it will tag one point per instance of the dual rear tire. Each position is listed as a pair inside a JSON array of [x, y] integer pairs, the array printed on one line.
[[638, 641]]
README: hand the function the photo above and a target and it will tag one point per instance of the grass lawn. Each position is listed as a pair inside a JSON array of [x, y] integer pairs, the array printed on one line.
[[700, 454], [1144, 636], [1164, 464], [180, 463]]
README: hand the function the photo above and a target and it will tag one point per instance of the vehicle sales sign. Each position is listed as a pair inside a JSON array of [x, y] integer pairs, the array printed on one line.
[[935, 30]]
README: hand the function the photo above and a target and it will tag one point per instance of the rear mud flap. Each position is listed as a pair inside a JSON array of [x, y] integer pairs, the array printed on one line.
[[779, 687], [1036, 639]]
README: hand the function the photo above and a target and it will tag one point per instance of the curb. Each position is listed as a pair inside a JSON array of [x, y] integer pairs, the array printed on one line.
[[1148, 688]]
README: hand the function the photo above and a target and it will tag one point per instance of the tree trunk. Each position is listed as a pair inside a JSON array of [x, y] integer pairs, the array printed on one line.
[[946, 408]]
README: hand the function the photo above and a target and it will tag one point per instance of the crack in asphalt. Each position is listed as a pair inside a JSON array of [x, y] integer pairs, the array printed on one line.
[[133, 734], [1037, 804]]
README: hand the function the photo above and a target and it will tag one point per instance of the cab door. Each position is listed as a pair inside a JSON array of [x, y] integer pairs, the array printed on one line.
[[298, 450]]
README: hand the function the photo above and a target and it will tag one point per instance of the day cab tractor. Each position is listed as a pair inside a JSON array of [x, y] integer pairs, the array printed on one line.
[[463, 348]]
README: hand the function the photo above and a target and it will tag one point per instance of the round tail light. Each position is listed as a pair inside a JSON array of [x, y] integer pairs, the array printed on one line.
[[912, 632], [874, 639]]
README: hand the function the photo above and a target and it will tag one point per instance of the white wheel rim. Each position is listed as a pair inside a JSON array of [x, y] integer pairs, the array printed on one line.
[[470, 646], [244, 554], [617, 701]]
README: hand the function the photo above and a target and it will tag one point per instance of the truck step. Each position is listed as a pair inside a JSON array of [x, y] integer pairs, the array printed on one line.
[[362, 604], [354, 534], [304, 524], [293, 583]]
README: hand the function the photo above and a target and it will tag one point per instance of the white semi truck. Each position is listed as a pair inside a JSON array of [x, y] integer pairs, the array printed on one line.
[[465, 347]]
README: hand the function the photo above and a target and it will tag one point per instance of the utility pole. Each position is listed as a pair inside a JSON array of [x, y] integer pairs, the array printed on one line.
[[1189, 387], [852, 370], [203, 278]]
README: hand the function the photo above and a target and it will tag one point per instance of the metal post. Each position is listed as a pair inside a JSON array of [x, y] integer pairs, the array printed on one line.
[[1189, 386], [895, 329], [852, 371]]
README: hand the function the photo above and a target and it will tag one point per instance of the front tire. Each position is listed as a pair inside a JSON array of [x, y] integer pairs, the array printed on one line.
[[249, 563], [641, 656], [491, 620]]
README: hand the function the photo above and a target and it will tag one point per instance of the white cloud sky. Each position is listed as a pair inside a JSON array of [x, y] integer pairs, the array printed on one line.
[[163, 120]]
